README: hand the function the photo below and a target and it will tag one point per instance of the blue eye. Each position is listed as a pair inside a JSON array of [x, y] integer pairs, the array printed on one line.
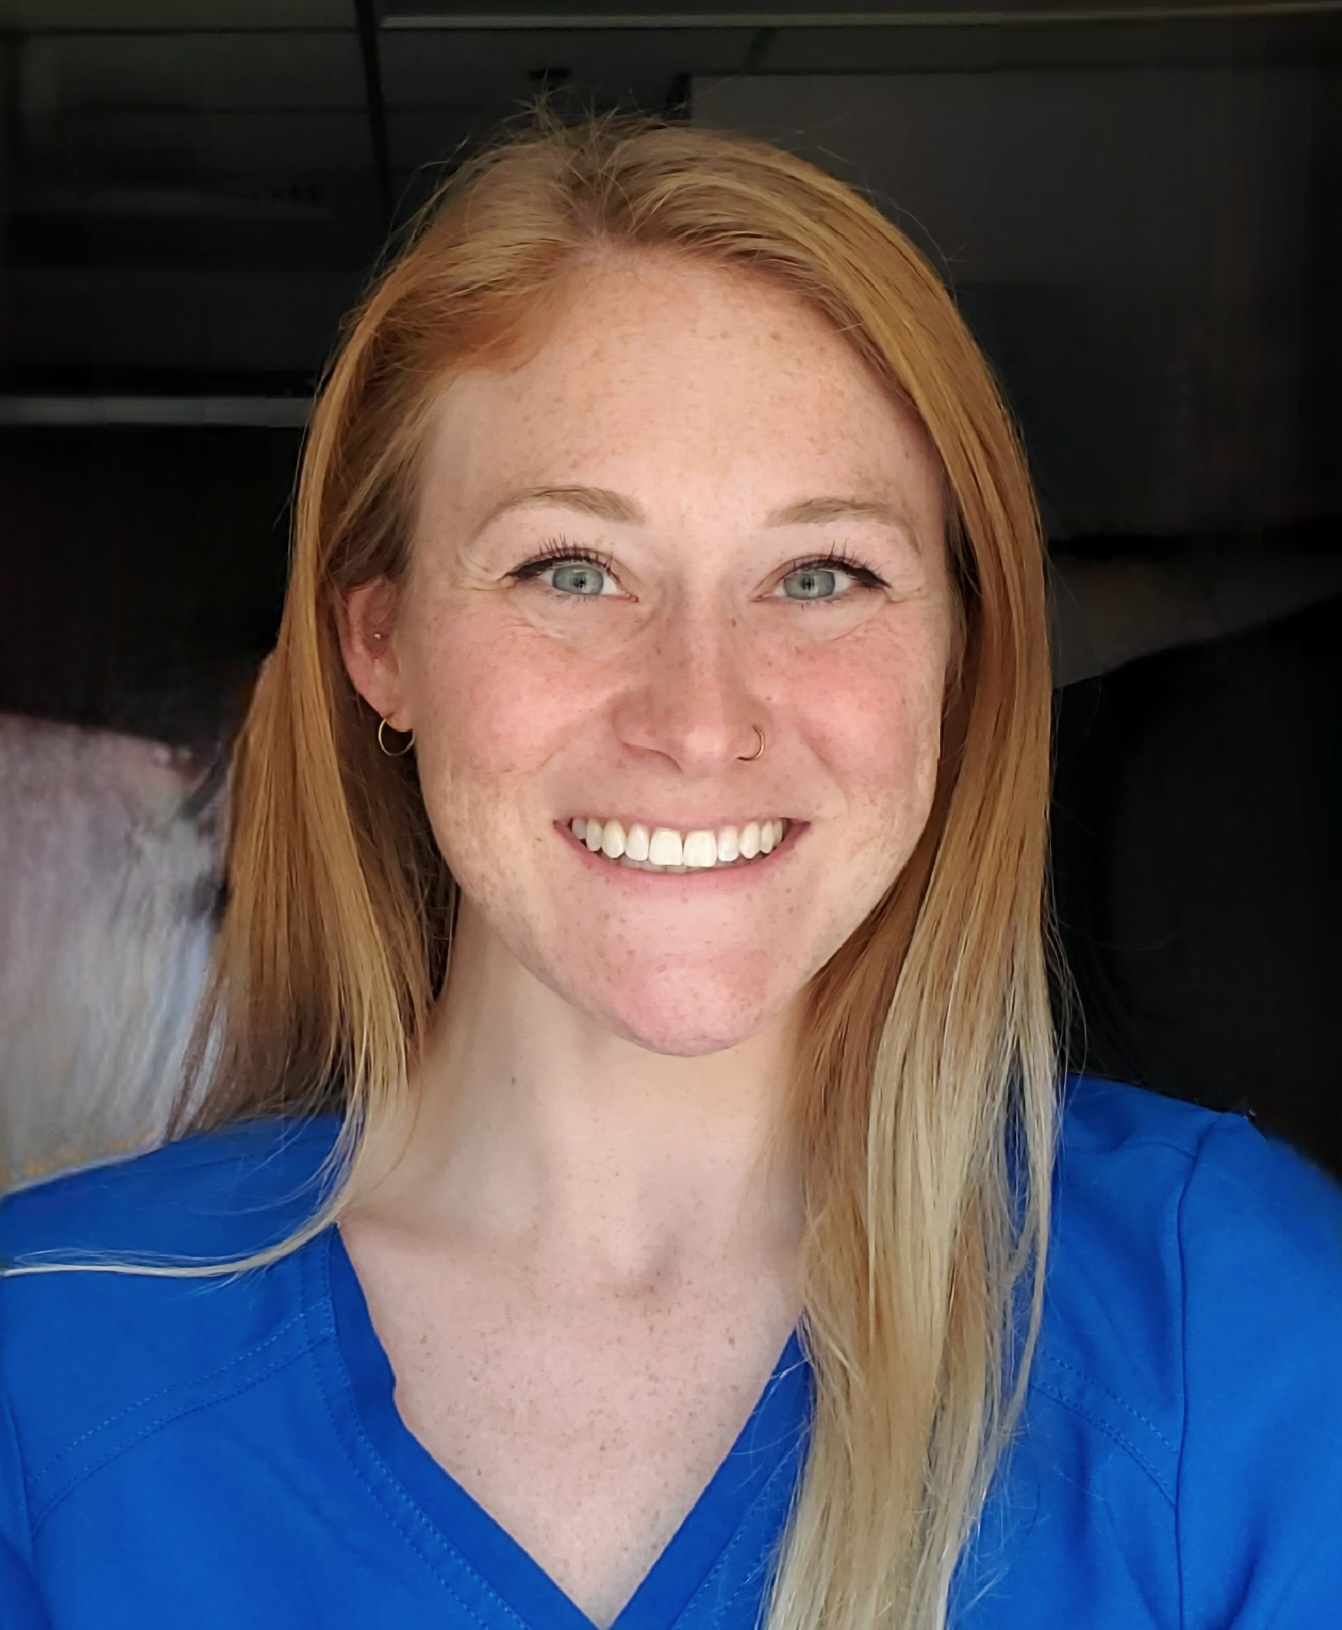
[[581, 583], [821, 573], [821, 581], [580, 578], [576, 570]]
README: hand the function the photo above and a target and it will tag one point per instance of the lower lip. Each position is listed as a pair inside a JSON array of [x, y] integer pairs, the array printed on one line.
[[715, 878]]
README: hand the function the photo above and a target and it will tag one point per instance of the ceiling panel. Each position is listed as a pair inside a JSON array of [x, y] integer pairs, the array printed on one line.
[[155, 144], [450, 14], [138, 321], [191, 71], [43, 16], [162, 158], [994, 48], [435, 68], [1139, 253]]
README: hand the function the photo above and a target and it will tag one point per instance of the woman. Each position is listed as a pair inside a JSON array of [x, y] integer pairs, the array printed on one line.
[[629, 1080]]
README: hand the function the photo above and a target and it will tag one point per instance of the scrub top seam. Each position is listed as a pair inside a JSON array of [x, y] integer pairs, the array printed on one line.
[[1077, 1408], [1114, 1398], [163, 1392], [786, 1465], [158, 1425], [421, 1519]]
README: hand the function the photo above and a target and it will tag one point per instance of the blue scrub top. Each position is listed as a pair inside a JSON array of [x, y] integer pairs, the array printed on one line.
[[226, 1452]]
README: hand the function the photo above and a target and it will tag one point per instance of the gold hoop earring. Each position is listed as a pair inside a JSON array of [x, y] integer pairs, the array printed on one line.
[[382, 741], [749, 758]]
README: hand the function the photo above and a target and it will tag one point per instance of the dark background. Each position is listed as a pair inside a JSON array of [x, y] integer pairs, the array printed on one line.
[[1138, 210]]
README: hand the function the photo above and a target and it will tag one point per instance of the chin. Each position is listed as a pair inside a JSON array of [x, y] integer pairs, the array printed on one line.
[[681, 1044], [682, 1029]]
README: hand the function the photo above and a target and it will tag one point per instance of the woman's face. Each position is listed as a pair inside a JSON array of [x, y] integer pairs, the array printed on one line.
[[710, 437]]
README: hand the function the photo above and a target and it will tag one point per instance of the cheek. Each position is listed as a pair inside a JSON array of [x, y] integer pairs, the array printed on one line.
[[872, 710], [492, 700], [486, 722]]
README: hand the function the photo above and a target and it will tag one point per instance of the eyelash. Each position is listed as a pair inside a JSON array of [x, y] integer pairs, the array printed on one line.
[[560, 550]]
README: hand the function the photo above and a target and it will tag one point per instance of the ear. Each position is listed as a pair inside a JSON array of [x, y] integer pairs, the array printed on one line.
[[366, 624]]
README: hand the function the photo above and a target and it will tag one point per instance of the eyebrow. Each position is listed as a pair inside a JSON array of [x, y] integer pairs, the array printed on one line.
[[616, 508]]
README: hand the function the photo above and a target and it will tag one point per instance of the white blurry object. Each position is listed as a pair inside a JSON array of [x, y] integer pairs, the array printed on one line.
[[109, 872]]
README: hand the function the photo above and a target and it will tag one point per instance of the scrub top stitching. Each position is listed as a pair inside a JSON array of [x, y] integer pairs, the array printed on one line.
[[163, 1392], [786, 1465], [156, 1426], [1111, 1432]]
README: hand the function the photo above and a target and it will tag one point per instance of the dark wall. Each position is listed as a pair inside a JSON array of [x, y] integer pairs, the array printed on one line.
[[141, 573], [1198, 874]]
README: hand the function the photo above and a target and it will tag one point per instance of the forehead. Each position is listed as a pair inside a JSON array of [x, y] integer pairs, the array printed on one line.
[[680, 379]]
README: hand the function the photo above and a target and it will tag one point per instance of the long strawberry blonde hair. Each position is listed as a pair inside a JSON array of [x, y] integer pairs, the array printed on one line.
[[924, 1090]]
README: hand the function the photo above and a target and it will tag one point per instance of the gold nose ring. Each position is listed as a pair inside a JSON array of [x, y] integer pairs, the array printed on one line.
[[749, 758]]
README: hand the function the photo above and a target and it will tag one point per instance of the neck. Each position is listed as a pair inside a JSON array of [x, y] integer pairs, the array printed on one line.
[[538, 1135]]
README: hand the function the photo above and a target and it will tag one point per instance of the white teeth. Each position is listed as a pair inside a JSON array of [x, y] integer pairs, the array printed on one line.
[[701, 849], [666, 849]]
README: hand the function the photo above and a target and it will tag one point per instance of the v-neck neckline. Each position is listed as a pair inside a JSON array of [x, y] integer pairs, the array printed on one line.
[[767, 1449]]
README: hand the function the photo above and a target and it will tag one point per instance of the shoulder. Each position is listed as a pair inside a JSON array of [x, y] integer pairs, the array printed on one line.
[[92, 1351], [1194, 1320], [213, 1194], [1153, 1192]]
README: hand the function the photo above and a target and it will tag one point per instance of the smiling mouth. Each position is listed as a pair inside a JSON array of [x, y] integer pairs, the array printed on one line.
[[663, 849]]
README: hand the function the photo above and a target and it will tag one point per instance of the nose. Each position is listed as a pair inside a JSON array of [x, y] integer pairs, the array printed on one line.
[[696, 696]]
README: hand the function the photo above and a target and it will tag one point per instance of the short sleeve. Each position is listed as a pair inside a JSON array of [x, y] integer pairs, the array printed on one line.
[[1260, 1475]]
